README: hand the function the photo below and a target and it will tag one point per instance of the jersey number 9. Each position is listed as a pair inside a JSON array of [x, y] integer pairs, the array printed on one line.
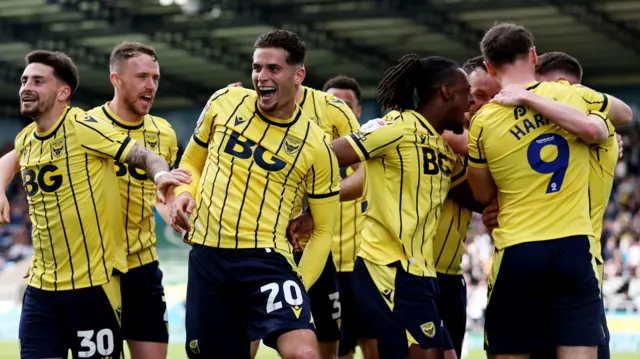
[[47, 179], [557, 167]]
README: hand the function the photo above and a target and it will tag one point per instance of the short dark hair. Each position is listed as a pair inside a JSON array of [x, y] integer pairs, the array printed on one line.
[[344, 83], [289, 41], [127, 50], [412, 74], [63, 67], [559, 61], [505, 43], [474, 63]]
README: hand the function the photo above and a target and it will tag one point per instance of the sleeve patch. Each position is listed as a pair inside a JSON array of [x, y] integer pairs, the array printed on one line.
[[372, 125]]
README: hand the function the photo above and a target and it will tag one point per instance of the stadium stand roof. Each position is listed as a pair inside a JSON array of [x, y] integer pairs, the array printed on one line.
[[207, 44]]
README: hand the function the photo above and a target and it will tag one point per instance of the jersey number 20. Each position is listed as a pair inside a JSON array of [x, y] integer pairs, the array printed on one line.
[[558, 167]]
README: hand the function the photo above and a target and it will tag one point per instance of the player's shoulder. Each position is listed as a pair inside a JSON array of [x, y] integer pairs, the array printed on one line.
[[552, 89], [316, 134], [160, 122], [232, 94], [585, 91], [325, 97], [97, 112], [76, 114], [490, 110], [22, 136]]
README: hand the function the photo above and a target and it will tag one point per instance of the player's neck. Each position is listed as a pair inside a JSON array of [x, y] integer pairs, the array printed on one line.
[[516, 75], [284, 112], [120, 109], [299, 94], [434, 115], [45, 121]]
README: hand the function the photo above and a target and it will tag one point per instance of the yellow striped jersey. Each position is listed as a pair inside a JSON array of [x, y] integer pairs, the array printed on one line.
[[541, 170], [137, 191], [448, 245], [257, 169], [68, 176], [408, 175], [603, 161], [337, 120]]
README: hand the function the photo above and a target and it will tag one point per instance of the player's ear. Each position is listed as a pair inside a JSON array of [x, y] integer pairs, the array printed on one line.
[[301, 73], [64, 93], [445, 91], [533, 55], [358, 111], [113, 77], [490, 69]]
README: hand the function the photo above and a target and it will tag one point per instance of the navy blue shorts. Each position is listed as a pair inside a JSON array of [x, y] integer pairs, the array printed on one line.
[[603, 350], [85, 321], [543, 294], [235, 296], [452, 307], [325, 302], [144, 310], [401, 308], [354, 321]]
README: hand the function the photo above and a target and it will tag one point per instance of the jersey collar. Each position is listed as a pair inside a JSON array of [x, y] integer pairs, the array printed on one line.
[[532, 85], [424, 122], [48, 134], [276, 121], [119, 122]]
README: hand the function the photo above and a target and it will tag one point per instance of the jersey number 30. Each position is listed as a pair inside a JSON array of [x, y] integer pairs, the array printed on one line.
[[558, 167]]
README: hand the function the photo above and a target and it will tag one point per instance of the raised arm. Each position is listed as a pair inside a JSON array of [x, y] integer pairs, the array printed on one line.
[[373, 139], [590, 129]]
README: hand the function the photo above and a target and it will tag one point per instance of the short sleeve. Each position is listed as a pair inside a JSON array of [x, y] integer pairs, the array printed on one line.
[[377, 137], [204, 126], [459, 173], [341, 116], [477, 157], [603, 117], [101, 138], [596, 101], [323, 179]]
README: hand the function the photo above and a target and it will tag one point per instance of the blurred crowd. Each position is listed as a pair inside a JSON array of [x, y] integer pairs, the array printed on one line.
[[620, 239]]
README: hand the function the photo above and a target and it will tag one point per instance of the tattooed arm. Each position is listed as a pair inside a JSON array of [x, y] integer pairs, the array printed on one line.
[[146, 160], [157, 170]]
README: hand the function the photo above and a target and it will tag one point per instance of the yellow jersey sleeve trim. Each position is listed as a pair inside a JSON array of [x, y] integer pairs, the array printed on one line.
[[477, 163], [124, 150], [363, 155], [199, 142]]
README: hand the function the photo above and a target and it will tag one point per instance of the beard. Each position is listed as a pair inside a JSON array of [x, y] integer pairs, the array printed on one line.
[[131, 104], [455, 127], [44, 104]]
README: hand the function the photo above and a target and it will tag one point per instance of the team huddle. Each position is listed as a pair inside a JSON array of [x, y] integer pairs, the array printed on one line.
[[310, 233]]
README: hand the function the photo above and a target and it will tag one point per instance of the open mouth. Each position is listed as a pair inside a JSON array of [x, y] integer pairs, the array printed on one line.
[[267, 92], [146, 99], [28, 99]]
